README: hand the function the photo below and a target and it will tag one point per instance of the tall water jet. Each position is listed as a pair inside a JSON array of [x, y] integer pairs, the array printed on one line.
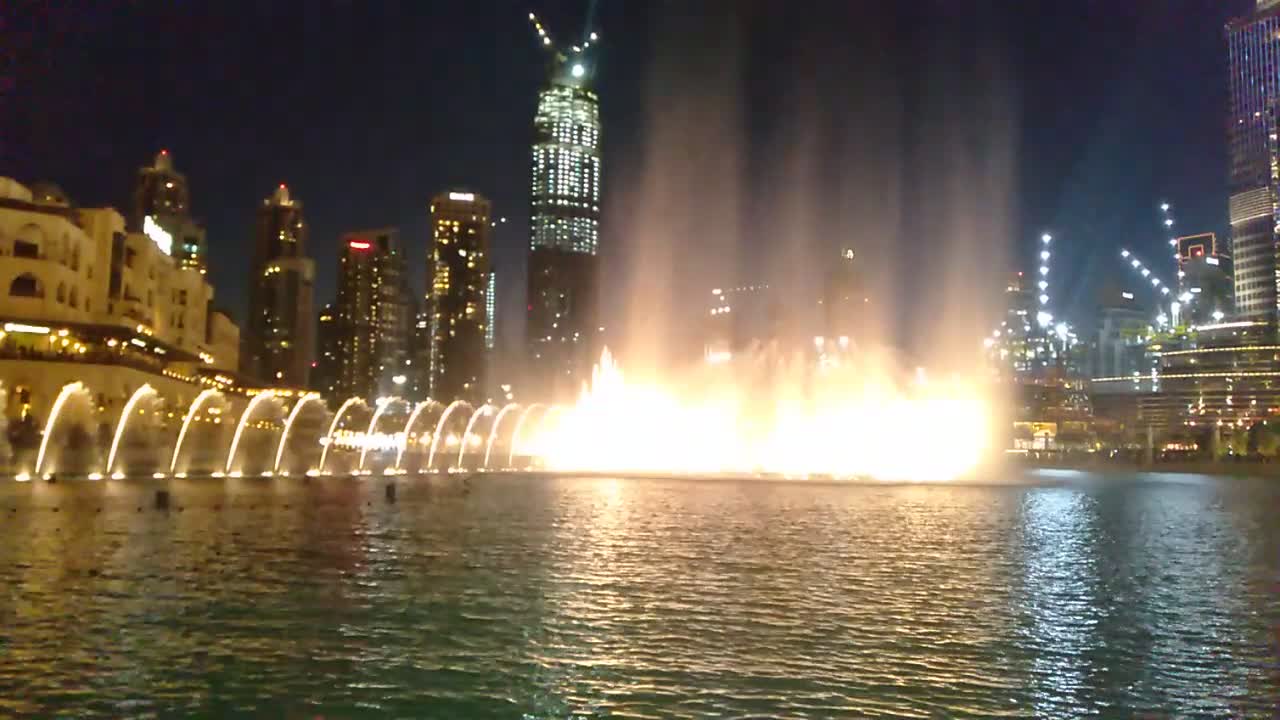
[[63, 396], [408, 429], [435, 438], [370, 433], [515, 436], [483, 411], [288, 425], [125, 415], [333, 426], [493, 432], [195, 407], [264, 396]]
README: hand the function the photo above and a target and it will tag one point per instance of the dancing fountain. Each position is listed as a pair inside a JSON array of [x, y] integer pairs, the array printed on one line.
[[848, 417]]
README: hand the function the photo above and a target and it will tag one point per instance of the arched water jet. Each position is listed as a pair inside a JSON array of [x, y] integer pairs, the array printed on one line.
[[484, 410], [244, 418], [337, 418], [125, 414], [288, 425], [435, 438], [63, 395], [544, 427], [373, 425], [515, 436], [196, 404], [493, 432], [408, 426]]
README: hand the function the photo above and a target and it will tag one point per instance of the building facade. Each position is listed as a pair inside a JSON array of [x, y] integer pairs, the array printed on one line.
[[1253, 44], [1122, 332], [458, 308], [1206, 288], [1027, 347], [368, 325], [845, 302], [1225, 375], [324, 375], [161, 198], [740, 318], [84, 299], [564, 232], [280, 341]]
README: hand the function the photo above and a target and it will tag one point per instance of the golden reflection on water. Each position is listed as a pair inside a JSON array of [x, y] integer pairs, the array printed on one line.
[[643, 598]]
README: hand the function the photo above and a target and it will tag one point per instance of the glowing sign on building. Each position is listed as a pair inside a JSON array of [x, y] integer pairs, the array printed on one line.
[[358, 245], [161, 237], [464, 197]]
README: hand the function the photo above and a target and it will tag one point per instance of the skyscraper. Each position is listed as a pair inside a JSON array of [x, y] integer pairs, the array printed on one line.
[[491, 310], [1205, 288], [458, 308], [281, 336], [845, 302], [371, 316], [1253, 44], [324, 373], [564, 222], [162, 199]]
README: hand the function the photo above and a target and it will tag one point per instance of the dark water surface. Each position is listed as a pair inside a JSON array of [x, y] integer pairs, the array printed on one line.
[[1066, 595]]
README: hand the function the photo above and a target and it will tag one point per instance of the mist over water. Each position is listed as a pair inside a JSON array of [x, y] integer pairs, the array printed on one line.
[[774, 141]]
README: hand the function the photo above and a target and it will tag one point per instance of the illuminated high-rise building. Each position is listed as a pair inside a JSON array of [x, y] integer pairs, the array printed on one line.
[[160, 190], [491, 309], [564, 221], [370, 316], [845, 302], [162, 199], [1253, 44], [280, 340], [458, 309], [1205, 287], [324, 369]]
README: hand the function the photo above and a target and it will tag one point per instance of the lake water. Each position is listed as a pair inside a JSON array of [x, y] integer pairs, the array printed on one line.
[[1054, 595]]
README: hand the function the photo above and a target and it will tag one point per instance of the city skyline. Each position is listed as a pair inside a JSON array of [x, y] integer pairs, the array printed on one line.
[[605, 357], [1062, 200]]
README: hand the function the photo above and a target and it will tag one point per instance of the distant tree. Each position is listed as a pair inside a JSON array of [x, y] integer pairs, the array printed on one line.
[[1239, 442], [1267, 440]]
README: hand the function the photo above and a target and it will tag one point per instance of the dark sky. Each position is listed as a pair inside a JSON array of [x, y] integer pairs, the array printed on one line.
[[1099, 109]]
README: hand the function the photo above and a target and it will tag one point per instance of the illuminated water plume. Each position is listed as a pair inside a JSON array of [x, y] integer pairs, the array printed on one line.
[[842, 421]]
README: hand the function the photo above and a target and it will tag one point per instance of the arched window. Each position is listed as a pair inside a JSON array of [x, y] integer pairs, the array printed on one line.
[[75, 258], [25, 249], [26, 285], [74, 300], [62, 293], [27, 242], [87, 304]]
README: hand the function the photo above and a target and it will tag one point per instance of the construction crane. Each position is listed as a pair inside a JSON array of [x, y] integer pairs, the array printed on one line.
[[563, 55]]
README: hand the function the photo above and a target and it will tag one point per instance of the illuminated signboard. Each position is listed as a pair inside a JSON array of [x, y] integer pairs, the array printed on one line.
[[161, 237], [464, 197], [358, 245]]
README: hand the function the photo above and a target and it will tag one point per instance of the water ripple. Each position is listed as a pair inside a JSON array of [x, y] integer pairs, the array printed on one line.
[[593, 598]]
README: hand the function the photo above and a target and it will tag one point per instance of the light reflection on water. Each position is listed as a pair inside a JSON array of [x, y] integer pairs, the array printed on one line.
[[640, 598]]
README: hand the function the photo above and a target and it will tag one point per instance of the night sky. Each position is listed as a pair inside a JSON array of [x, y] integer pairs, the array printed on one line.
[[366, 109]]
